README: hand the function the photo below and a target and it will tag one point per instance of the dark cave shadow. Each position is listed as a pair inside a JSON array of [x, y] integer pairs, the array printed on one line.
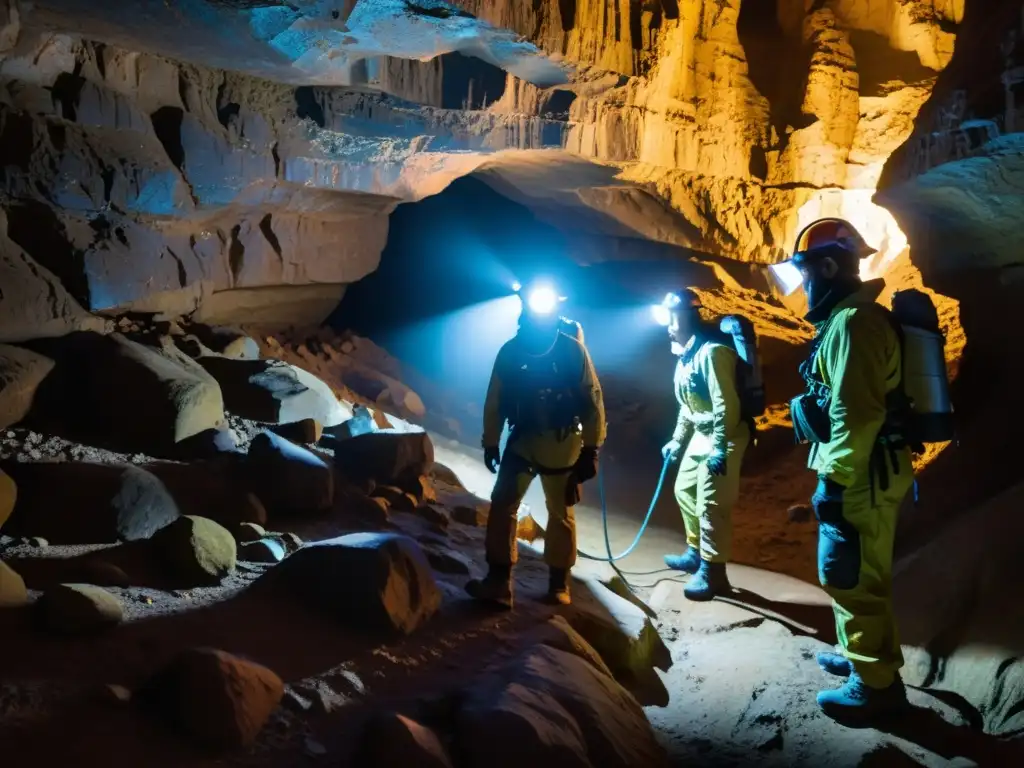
[[815, 621], [927, 729]]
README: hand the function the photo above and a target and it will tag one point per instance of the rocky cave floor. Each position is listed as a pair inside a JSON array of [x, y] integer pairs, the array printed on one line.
[[295, 682]]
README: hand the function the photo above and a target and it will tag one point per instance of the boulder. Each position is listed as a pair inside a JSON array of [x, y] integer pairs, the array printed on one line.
[[446, 561], [393, 739], [361, 423], [196, 552], [8, 497], [291, 541], [246, 533], [102, 574], [305, 432], [557, 633], [388, 458], [549, 707], [208, 444], [213, 489], [434, 514], [475, 516], [527, 527], [624, 636], [34, 304], [116, 393], [262, 551], [367, 510], [86, 503], [274, 392], [379, 582], [227, 342], [79, 608], [21, 373], [12, 588], [219, 700], [288, 478], [397, 499]]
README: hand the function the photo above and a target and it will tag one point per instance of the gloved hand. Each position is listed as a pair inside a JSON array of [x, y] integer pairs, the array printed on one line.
[[586, 465], [671, 450], [716, 463], [492, 458]]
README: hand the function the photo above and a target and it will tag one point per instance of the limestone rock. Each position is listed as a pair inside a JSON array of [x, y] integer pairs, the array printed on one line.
[[196, 552], [21, 373], [273, 392], [303, 432], [228, 342], [213, 489], [103, 574], [361, 423], [528, 529], [114, 392], [80, 608], [209, 443], [434, 514], [370, 581], [446, 561], [393, 739], [287, 478], [389, 458], [12, 588], [475, 516], [246, 533], [266, 550], [35, 304], [8, 497], [397, 499], [291, 541], [624, 636], [219, 700], [557, 633], [549, 707], [85, 503]]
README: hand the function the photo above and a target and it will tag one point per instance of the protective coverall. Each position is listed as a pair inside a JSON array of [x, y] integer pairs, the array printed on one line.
[[709, 420], [555, 406], [859, 360]]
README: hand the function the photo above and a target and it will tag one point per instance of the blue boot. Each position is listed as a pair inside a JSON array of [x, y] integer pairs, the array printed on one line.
[[688, 562], [856, 700], [709, 581], [835, 663]]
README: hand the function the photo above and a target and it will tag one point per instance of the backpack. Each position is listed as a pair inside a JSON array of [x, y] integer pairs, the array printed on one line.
[[749, 376]]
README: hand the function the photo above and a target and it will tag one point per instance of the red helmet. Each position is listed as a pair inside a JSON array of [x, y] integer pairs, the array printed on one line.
[[825, 232]]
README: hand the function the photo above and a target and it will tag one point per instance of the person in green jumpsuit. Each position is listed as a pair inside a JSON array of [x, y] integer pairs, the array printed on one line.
[[710, 439], [850, 415]]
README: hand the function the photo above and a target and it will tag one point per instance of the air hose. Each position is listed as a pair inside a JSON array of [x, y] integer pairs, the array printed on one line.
[[610, 558]]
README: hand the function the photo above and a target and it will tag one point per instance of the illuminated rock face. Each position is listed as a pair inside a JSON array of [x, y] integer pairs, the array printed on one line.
[[168, 186]]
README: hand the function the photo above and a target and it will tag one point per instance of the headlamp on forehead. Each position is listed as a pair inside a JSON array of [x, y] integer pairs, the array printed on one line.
[[539, 298], [673, 302]]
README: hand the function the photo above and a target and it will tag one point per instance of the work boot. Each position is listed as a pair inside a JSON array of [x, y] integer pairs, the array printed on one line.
[[835, 663], [496, 588], [558, 587], [854, 699], [709, 581], [688, 562]]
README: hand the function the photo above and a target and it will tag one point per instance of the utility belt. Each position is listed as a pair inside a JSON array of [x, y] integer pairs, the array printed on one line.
[[812, 424], [573, 489]]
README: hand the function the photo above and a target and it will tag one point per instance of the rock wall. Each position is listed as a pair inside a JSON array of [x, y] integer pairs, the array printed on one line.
[[171, 184]]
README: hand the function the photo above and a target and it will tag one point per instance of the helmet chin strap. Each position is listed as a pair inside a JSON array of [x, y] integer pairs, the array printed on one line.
[[823, 295]]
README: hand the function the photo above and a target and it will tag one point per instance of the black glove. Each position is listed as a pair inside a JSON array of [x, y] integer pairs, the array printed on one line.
[[586, 465], [716, 463], [492, 458], [828, 501]]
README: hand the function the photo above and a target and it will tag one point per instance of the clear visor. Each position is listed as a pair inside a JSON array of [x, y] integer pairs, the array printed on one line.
[[787, 276]]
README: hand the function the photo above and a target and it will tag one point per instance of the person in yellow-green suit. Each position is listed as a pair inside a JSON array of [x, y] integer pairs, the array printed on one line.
[[710, 439], [851, 416], [545, 387]]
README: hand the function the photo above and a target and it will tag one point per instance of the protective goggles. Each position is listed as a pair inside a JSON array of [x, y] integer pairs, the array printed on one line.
[[540, 298]]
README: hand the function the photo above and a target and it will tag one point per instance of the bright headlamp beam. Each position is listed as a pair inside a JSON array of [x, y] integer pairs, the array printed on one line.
[[542, 300], [787, 276], [662, 315]]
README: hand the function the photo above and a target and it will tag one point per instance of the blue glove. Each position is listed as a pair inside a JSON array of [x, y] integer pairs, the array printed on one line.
[[716, 463]]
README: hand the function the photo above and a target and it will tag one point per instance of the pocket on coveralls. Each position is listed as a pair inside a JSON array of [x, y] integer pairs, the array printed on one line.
[[838, 542]]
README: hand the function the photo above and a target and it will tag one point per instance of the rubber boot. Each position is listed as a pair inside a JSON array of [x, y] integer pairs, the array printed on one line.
[[855, 700], [495, 589], [558, 587], [688, 562], [835, 663], [709, 581]]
